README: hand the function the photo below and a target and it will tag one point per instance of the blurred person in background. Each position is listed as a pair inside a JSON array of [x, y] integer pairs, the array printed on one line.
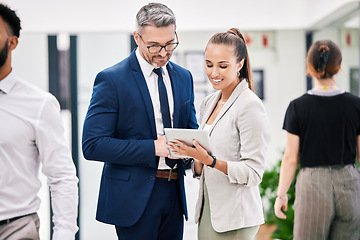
[[31, 138], [323, 131]]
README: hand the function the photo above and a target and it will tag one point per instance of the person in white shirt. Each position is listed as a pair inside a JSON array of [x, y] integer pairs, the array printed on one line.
[[31, 139]]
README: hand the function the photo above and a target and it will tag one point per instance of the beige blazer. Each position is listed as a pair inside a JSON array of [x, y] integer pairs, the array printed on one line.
[[239, 135]]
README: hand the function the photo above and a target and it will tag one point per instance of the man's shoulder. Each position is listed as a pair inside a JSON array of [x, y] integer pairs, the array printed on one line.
[[120, 66], [29, 87], [32, 94], [178, 68]]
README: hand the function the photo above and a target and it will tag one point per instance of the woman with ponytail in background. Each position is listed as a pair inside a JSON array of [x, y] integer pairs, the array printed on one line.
[[323, 131], [229, 204]]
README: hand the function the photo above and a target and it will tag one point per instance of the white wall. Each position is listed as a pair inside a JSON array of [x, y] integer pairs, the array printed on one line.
[[30, 58], [119, 15], [284, 80]]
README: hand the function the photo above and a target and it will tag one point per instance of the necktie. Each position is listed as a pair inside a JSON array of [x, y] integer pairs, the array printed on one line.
[[164, 105]]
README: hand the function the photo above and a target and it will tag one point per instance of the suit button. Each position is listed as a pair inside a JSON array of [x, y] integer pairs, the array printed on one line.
[[152, 178]]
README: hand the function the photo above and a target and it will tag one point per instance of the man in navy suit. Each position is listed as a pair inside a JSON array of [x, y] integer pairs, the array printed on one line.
[[141, 193]]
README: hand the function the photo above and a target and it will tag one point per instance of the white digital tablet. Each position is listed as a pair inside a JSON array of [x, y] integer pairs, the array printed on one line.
[[187, 136]]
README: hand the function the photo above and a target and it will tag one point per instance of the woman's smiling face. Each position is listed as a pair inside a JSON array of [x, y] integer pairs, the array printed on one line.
[[221, 66]]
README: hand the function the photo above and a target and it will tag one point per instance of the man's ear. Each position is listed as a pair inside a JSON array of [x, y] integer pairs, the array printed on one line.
[[136, 37], [13, 42]]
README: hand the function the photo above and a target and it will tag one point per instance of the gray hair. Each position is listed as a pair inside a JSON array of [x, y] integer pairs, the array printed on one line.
[[155, 14]]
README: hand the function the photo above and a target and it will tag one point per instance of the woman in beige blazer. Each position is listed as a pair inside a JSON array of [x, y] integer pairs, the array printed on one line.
[[229, 204]]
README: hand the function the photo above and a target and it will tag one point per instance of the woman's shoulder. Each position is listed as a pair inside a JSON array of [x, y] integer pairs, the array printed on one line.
[[209, 98], [353, 100], [301, 99], [248, 98], [351, 96]]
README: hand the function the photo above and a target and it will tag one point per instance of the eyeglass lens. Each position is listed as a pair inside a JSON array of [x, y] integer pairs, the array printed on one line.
[[168, 47]]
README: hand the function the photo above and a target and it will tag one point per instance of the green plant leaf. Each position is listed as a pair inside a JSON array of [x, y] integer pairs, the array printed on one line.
[[268, 189]]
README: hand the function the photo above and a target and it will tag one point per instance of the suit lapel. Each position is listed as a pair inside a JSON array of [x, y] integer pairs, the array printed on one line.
[[140, 81], [174, 78], [209, 109], [234, 95]]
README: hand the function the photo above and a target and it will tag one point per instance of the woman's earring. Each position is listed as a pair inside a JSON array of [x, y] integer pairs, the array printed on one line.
[[238, 74]]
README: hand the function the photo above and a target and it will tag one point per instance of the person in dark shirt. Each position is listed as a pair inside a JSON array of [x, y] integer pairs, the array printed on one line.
[[323, 132]]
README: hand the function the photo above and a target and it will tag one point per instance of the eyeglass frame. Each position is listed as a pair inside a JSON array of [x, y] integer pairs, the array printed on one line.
[[161, 46]]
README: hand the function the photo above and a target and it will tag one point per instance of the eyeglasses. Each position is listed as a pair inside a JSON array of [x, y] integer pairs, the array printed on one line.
[[157, 48]]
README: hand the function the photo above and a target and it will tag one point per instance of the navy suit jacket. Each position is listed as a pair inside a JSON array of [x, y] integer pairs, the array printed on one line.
[[119, 130]]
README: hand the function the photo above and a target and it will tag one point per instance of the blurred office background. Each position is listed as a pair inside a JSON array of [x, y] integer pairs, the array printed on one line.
[[64, 44]]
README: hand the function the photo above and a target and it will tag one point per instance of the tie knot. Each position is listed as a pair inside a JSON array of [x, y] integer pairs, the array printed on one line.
[[158, 71]]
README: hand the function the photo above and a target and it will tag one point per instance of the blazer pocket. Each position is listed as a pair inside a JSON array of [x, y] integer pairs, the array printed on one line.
[[116, 173]]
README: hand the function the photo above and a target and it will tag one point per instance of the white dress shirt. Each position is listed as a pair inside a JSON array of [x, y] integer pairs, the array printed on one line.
[[32, 138], [152, 83]]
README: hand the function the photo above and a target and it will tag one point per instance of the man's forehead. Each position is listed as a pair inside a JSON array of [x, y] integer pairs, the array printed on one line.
[[158, 34]]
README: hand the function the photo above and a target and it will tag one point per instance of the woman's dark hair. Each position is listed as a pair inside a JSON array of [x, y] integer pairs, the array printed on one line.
[[323, 59], [233, 37], [9, 16]]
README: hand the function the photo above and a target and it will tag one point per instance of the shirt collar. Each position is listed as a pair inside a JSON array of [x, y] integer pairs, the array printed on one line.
[[146, 67], [325, 93], [8, 82]]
